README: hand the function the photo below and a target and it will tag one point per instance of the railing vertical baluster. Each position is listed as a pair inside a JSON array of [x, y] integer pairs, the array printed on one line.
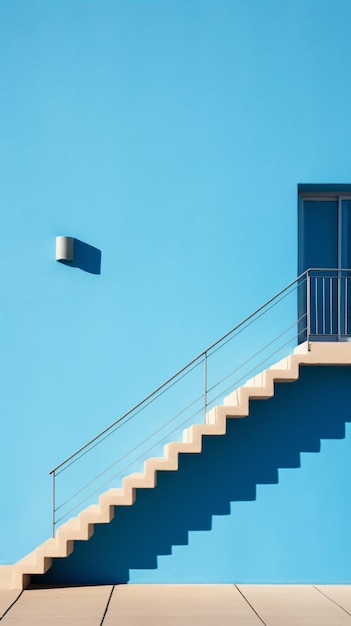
[[331, 325], [316, 302], [53, 502], [339, 304], [323, 304], [308, 298], [347, 304], [205, 386]]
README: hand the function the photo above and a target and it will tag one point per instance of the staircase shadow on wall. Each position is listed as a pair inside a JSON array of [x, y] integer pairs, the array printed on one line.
[[229, 469]]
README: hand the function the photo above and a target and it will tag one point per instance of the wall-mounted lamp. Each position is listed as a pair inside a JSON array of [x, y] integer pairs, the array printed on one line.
[[76, 253], [64, 248]]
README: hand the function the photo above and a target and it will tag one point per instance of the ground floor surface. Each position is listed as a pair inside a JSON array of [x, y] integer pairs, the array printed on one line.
[[183, 605]]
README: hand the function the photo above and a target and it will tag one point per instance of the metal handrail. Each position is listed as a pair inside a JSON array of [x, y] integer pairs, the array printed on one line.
[[185, 367], [304, 333]]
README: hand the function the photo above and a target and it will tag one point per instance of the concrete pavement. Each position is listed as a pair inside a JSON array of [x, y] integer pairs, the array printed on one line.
[[183, 605]]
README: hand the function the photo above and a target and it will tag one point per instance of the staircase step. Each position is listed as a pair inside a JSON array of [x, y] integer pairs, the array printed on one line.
[[235, 405]]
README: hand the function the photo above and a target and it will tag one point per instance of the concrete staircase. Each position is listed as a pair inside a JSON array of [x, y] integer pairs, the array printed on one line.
[[235, 405]]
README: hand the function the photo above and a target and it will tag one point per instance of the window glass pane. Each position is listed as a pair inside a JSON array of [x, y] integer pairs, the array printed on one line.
[[346, 234], [320, 250], [321, 233]]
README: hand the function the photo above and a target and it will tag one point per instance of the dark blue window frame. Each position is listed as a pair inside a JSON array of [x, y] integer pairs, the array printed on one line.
[[324, 242]]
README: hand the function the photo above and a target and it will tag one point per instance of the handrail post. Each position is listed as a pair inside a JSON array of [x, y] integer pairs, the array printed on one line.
[[339, 303], [308, 306], [53, 503], [205, 385]]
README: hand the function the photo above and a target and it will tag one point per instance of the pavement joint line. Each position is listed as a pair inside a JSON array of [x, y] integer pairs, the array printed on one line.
[[331, 599], [249, 603], [107, 605], [11, 605]]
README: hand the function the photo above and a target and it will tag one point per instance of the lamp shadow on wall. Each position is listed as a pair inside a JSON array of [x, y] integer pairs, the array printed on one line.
[[229, 470], [86, 258]]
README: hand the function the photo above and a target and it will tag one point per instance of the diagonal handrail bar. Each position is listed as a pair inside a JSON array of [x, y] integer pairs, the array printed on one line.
[[185, 367], [312, 307]]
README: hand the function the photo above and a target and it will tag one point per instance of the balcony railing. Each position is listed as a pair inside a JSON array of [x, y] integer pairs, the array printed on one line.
[[328, 304]]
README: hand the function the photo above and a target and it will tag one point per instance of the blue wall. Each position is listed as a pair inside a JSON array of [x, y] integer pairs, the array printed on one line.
[[171, 136], [269, 502]]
